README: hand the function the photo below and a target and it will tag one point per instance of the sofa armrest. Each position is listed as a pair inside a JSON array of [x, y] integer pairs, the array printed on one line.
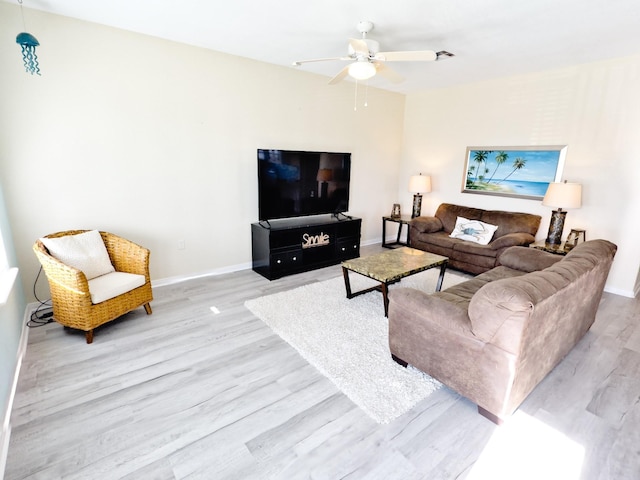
[[417, 306], [426, 224], [498, 312], [512, 240], [527, 259]]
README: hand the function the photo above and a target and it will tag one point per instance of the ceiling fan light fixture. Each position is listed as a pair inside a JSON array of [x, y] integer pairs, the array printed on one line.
[[362, 70]]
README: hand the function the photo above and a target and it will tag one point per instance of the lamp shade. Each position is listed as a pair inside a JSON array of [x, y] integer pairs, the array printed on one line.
[[420, 184], [362, 70], [563, 195]]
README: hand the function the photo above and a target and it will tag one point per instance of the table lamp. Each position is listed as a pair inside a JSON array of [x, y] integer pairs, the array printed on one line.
[[561, 195], [418, 184]]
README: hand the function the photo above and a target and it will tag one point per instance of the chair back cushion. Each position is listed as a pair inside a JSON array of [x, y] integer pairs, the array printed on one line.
[[84, 251]]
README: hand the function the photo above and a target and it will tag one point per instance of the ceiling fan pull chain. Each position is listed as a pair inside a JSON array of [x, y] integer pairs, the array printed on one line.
[[355, 98], [366, 94]]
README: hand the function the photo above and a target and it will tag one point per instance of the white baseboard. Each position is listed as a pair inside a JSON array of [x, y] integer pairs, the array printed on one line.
[[4, 448], [161, 282], [210, 273], [618, 291], [5, 434]]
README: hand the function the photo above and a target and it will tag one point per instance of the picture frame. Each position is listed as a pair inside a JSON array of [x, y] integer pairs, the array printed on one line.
[[395, 211], [520, 172]]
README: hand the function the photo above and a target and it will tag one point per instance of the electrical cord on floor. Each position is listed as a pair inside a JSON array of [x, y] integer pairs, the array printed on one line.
[[43, 313]]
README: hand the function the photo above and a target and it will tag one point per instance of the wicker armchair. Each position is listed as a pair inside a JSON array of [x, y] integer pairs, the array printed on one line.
[[72, 306]]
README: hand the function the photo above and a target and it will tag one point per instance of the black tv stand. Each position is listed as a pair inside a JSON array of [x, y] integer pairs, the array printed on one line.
[[295, 245]]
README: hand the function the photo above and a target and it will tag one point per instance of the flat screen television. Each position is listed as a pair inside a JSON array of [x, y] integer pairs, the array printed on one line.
[[299, 183]]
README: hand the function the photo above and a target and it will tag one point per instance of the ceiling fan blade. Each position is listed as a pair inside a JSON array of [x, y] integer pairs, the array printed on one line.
[[360, 47], [388, 73], [410, 56], [300, 62], [340, 76]]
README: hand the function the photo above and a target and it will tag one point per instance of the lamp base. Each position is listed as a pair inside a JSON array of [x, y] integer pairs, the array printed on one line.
[[556, 225], [417, 205]]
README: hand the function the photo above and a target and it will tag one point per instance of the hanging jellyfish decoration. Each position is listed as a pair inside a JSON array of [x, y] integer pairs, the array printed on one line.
[[29, 43]]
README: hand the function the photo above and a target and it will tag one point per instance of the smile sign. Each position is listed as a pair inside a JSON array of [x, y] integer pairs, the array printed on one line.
[[310, 241]]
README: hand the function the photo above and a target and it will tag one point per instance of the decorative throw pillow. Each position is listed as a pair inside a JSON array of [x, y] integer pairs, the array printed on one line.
[[84, 251], [473, 231]]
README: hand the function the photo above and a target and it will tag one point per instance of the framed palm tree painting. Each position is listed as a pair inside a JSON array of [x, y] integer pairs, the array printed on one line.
[[523, 172]]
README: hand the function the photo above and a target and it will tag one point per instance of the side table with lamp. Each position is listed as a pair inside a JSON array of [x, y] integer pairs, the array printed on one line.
[[418, 184], [561, 195]]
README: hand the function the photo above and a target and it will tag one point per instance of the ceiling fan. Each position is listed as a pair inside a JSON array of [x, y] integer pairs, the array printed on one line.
[[367, 60]]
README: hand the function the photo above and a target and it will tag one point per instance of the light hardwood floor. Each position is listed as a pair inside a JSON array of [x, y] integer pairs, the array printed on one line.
[[187, 393]]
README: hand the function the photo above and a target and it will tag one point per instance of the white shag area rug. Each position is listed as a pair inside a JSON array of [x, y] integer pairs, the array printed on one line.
[[347, 340]]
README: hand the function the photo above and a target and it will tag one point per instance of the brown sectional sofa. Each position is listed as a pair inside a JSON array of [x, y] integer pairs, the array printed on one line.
[[432, 235], [495, 337]]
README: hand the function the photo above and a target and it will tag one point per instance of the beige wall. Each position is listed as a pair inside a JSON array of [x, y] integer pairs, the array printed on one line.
[[593, 108], [156, 141]]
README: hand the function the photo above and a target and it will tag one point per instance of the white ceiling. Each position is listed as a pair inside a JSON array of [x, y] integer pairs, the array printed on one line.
[[490, 38]]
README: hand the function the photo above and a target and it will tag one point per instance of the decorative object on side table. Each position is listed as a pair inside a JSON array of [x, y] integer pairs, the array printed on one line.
[[575, 237], [395, 211], [418, 184], [561, 195]]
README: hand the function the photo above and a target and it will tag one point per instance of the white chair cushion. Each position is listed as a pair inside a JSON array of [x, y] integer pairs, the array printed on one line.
[[84, 251], [113, 284]]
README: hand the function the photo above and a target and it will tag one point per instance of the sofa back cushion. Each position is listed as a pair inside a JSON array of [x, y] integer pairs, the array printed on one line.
[[448, 213], [511, 222], [507, 222]]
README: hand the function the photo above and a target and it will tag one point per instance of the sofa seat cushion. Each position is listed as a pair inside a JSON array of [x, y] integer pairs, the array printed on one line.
[[476, 249], [111, 285], [441, 239]]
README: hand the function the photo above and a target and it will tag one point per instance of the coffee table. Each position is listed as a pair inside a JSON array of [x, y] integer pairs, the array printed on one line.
[[390, 267]]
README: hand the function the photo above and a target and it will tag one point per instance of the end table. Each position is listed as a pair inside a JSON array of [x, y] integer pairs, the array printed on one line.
[[401, 221], [555, 248]]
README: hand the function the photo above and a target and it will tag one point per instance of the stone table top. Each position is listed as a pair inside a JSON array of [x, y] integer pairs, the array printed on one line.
[[387, 267]]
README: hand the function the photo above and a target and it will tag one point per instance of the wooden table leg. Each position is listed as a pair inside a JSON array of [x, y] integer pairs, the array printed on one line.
[[443, 267], [347, 283], [382, 288], [385, 298], [384, 232]]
